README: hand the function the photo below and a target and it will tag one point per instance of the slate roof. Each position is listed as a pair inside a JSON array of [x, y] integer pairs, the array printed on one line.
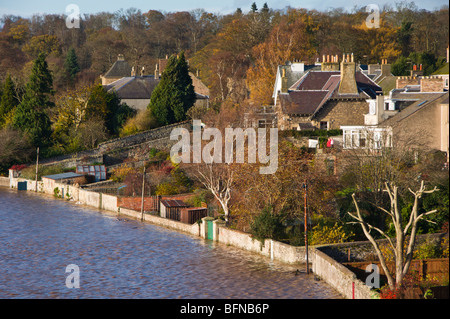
[[134, 87], [309, 94], [119, 69], [416, 106], [173, 203]]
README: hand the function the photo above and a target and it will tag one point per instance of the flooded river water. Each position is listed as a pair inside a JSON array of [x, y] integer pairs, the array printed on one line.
[[40, 236]]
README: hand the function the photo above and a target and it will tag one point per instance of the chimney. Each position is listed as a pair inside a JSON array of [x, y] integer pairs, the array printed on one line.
[[380, 108], [385, 68], [416, 71], [157, 72], [330, 63], [284, 83], [348, 78]]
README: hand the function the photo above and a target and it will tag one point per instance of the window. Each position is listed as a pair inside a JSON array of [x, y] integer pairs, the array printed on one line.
[[362, 140], [355, 139], [324, 125], [377, 140]]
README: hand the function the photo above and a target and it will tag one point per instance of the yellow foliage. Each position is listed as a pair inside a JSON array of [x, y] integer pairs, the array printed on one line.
[[329, 235], [118, 174]]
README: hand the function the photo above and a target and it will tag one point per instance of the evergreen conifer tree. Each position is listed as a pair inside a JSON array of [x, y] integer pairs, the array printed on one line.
[[71, 65], [8, 101], [31, 114], [174, 94]]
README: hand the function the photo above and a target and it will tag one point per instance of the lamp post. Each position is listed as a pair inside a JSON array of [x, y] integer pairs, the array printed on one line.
[[305, 186], [142, 198], [37, 170]]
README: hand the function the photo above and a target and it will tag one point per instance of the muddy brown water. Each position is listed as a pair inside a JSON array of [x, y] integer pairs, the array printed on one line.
[[118, 258]]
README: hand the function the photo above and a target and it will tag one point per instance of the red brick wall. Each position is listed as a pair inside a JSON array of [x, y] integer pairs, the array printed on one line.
[[149, 202]]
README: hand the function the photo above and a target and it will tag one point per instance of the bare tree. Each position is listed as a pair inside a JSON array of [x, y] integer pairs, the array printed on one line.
[[402, 262], [219, 179]]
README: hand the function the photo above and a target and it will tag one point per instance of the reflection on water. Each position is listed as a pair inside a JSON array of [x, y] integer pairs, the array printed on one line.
[[40, 236]]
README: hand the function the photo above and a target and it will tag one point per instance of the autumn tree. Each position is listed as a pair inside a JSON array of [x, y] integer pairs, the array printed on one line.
[[287, 41], [42, 44], [15, 148], [8, 101]]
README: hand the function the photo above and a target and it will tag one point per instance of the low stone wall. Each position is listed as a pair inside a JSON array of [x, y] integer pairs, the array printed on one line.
[[123, 147], [241, 240], [4, 181], [142, 137], [339, 277], [193, 229]]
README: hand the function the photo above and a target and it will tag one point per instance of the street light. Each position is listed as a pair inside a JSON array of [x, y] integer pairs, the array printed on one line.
[[305, 186]]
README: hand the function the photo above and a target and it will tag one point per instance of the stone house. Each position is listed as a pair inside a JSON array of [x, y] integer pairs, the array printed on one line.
[[412, 114], [136, 90], [118, 70], [426, 122], [336, 95]]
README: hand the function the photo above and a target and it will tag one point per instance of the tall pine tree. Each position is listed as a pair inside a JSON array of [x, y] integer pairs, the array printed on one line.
[[174, 94], [71, 65], [8, 101], [31, 114]]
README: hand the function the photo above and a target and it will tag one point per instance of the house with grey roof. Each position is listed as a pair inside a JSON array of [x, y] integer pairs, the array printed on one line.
[[417, 114], [290, 73], [336, 95], [118, 70], [136, 90]]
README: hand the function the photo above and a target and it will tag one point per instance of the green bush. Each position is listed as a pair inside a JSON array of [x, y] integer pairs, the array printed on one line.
[[30, 172], [267, 225]]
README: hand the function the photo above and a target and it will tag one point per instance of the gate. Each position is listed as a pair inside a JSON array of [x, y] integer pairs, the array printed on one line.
[[21, 186], [210, 230]]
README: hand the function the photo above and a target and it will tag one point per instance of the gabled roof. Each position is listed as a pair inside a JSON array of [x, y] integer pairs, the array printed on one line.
[[134, 87], [141, 87], [119, 69], [302, 102], [415, 107], [315, 88]]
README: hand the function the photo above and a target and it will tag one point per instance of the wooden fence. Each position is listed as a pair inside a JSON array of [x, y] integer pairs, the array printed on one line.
[[437, 269]]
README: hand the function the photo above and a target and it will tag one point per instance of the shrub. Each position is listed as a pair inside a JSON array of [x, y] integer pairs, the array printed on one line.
[[428, 249], [30, 171], [267, 225], [118, 174], [323, 234], [166, 189]]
